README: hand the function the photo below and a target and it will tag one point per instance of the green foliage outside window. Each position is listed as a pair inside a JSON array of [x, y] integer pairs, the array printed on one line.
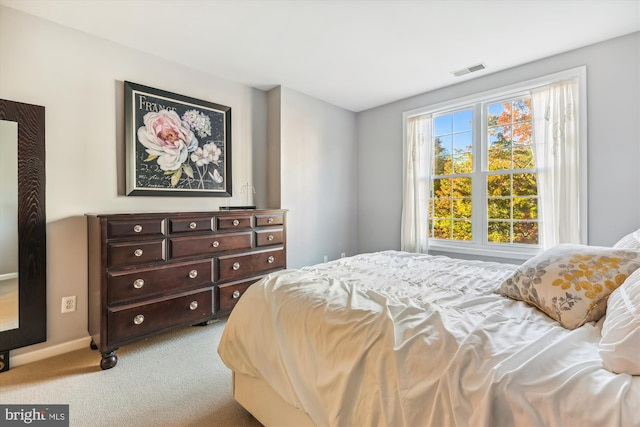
[[511, 186]]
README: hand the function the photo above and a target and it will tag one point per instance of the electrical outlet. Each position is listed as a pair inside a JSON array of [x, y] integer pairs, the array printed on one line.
[[343, 254], [68, 304], [326, 258]]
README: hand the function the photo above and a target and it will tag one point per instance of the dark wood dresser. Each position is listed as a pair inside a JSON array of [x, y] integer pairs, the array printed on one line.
[[150, 272]]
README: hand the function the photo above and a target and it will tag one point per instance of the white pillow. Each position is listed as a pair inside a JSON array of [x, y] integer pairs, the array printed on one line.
[[620, 342], [630, 241]]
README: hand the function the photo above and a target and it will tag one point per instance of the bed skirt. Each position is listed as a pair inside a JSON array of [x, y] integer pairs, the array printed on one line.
[[262, 401]]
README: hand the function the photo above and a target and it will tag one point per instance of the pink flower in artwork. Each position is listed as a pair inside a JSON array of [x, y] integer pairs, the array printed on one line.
[[167, 138]]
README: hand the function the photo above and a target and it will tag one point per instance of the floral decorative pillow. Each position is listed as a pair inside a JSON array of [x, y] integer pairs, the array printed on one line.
[[571, 283], [620, 342], [630, 241]]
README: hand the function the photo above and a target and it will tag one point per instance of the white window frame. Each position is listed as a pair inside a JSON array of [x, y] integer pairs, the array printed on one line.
[[479, 246]]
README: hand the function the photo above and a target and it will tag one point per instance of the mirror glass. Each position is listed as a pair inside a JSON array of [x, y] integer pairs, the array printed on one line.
[[9, 303]]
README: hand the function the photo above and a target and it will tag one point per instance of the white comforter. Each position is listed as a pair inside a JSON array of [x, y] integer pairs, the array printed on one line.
[[398, 339]]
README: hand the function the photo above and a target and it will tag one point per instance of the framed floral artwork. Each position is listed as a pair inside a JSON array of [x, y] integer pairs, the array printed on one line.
[[176, 145]]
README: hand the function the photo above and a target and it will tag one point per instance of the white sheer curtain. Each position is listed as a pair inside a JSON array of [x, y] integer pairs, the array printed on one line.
[[555, 130], [417, 168]]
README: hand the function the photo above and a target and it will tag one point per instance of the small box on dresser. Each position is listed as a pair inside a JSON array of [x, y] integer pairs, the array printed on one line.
[[151, 272]]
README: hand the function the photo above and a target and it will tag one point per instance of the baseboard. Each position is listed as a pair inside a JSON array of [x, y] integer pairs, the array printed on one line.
[[45, 353]]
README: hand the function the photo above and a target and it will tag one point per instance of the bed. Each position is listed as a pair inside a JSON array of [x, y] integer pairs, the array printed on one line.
[[402, 339]]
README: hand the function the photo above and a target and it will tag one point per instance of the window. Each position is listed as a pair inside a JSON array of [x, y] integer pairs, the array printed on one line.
[[489, 172], [505, 179], [511, 189], [451, 182]]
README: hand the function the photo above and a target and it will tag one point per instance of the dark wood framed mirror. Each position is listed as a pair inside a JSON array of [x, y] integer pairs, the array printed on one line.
[[29, 137]]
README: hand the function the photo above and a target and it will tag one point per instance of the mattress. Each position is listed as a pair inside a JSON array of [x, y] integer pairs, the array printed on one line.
[[400, 339]]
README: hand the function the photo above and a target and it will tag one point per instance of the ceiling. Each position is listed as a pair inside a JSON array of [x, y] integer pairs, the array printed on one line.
[[356, 54]]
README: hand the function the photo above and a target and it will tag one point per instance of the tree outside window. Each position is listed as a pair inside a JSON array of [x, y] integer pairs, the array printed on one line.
[[506, 182]]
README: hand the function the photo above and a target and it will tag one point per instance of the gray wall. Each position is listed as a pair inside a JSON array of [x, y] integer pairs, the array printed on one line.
[[613, 92], [318, 179]]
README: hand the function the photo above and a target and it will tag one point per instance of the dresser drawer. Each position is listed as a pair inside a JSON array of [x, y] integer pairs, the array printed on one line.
[[135, 321], [186, 225], [148, 282], [206, 245], [270, 219], [234, 267], [236, 222], [230, 293], [134, 253], [139, 227], [269, 237]]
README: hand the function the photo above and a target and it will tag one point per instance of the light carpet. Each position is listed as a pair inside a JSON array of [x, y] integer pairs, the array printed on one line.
[[175, 379]]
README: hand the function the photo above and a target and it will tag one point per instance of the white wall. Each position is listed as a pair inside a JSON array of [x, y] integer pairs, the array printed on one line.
[[78, 78], [613, 89], [318, 178]]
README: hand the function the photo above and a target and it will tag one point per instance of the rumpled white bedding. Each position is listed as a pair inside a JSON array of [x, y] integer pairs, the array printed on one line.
[[398, 339]]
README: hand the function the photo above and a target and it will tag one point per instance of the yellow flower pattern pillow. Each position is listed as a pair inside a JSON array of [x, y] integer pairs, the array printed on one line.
[[571, 283]]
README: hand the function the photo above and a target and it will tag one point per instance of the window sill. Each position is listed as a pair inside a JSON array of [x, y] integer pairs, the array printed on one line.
[[516, 253]]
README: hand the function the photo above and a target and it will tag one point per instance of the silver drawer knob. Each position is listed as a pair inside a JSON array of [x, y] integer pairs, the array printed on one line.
[[138, 319], [138, 283], [193, 274], [236, 266], [193, 225], [270, 237], [236, 222], [270, 259], [193, 305], [270, 221], [236, 294], [138, 252], [137, 228], [215, 244]]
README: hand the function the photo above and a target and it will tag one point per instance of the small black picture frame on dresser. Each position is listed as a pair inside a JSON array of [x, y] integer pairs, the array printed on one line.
[[237, 208]]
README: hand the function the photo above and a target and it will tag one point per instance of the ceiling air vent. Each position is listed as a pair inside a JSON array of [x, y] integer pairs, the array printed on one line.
[[468, 70]]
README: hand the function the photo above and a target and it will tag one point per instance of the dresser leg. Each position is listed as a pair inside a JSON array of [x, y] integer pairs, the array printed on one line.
[[93, 345], [109, 360]]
